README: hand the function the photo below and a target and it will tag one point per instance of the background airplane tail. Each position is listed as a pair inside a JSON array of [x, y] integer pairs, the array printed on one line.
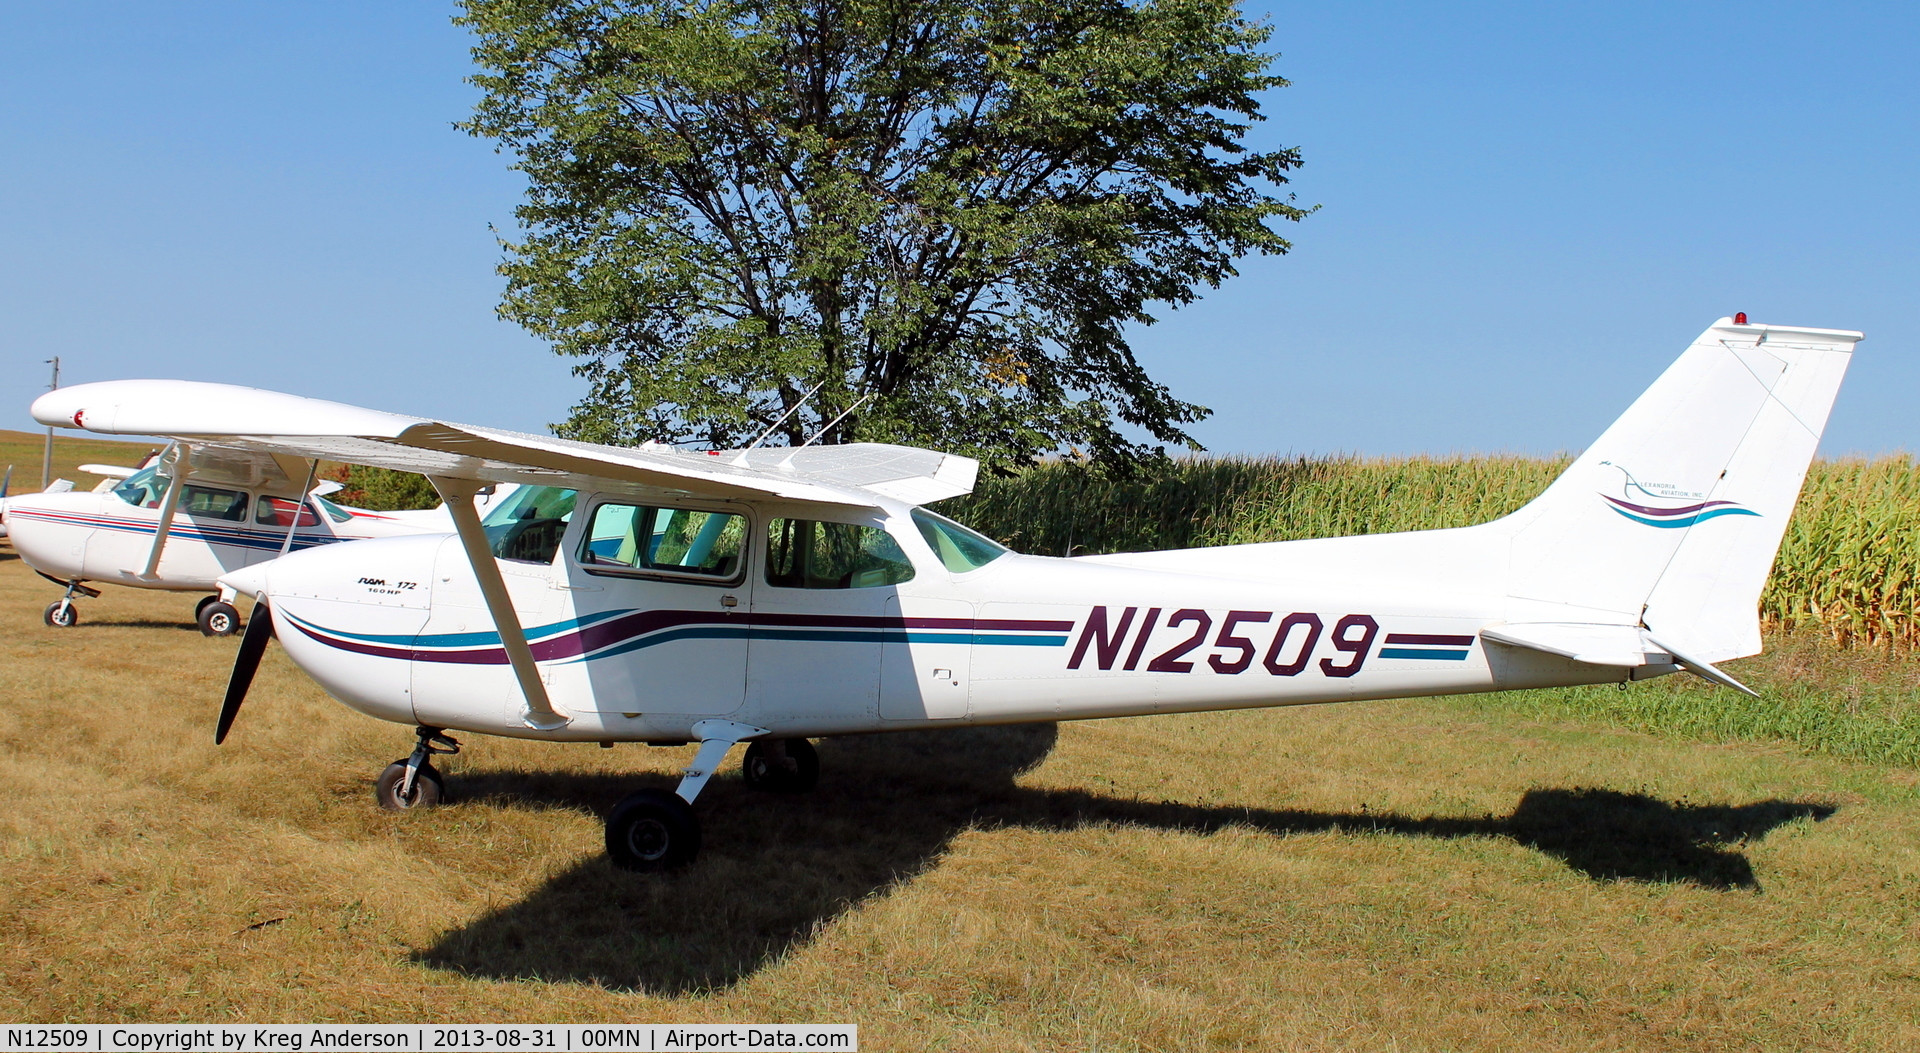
[[1673, 516]]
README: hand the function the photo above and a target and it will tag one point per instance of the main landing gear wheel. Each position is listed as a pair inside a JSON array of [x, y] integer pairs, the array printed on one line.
[[428, 787], [652, 830], [218, 619], [781, 765], [61, 615]]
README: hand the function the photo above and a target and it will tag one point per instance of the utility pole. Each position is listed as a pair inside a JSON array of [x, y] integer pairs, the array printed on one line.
[[46, 459]]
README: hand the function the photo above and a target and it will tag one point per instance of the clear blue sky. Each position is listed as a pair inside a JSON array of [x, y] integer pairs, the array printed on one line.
[[1528, 210]]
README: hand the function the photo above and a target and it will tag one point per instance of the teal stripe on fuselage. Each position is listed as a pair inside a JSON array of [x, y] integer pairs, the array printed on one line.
[[1436, 656], [480, 639], [1687, 521]]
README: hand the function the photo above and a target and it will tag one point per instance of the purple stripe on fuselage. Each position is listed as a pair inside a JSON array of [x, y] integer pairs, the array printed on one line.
[[1428, 638], [641, 623]]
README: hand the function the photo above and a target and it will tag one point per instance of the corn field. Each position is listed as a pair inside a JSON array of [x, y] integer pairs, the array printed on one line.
[[1847, 566]]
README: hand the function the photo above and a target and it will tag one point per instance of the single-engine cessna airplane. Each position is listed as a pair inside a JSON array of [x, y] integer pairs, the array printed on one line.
[[771, 595], [158, 527]]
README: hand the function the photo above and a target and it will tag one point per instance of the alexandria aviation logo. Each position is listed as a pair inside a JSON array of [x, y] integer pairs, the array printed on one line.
[[1648, 504]]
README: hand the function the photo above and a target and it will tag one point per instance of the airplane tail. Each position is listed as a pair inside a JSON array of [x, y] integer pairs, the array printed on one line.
[[1673, 516]]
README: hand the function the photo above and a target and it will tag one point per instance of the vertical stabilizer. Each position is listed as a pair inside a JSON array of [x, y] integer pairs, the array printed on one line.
[[1673, 516]]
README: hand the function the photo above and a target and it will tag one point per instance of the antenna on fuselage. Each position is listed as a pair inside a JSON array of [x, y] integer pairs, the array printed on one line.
[[829, 425]]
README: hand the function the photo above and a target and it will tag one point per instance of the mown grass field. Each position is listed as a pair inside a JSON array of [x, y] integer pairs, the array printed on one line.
[[1424, 875]]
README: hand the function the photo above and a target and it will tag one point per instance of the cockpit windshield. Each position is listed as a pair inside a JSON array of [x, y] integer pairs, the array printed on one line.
[[144, 488], [528, 524], [960, 549]]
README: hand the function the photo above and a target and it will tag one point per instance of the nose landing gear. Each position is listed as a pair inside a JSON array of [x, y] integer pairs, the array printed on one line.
[[413, 782], [61, 613]]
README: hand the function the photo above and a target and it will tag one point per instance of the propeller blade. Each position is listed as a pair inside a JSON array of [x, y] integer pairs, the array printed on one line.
[[252, 645]]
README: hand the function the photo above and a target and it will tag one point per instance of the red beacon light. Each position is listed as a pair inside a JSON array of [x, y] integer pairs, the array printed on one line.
[[1740, 318]]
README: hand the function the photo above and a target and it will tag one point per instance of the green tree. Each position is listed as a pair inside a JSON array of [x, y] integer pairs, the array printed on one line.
[[949, 208]]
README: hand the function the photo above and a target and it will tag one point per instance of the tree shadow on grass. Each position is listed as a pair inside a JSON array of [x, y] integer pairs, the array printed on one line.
[[775, 868]]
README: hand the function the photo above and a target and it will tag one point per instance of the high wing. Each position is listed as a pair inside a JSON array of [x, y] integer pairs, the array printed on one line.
[[252, 420]]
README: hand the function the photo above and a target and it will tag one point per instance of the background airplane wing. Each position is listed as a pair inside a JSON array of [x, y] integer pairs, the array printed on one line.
[[227, 416]]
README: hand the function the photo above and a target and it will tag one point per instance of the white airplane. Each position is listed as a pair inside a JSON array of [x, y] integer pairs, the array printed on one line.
[[771, 595], [156, 527]]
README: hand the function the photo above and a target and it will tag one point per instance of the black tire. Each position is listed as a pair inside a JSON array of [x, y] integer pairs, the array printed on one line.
[[202, 605], [218, 619], [797, 772], [61, 618], [652, 831], [428, 787]]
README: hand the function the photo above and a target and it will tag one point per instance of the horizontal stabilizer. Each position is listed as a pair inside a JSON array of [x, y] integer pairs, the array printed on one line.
[[1703, 670], [1618, 645]]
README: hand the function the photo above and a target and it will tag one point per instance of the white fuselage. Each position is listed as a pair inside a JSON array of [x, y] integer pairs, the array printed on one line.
[[398, 629], [99, 536]]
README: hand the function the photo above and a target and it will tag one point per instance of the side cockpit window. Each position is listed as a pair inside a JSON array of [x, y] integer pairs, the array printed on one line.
[[527, 526], [206, 502], [802, 554], [665, 540]]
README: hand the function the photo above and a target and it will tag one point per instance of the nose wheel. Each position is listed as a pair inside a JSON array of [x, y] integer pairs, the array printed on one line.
[[61, 613], [413, 782]]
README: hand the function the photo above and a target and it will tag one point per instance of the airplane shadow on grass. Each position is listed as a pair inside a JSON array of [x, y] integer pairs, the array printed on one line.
[[775, 867]]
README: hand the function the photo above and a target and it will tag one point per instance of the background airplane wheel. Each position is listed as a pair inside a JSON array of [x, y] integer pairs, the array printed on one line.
[[764, 770], [652, 830], [219, 619], [59, 618], [428, 787], [202, 605]]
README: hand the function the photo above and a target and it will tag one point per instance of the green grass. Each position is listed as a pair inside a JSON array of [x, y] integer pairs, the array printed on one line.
[[24, 451]]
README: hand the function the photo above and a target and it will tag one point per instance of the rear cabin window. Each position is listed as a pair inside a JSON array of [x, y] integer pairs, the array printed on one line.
[[665, 540], [205, 502], [802, 554], [279, 512], [526, 527]]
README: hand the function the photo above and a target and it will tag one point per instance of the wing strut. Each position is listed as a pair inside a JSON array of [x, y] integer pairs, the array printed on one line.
[[306, 493], [182, 464], [458, 495]]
